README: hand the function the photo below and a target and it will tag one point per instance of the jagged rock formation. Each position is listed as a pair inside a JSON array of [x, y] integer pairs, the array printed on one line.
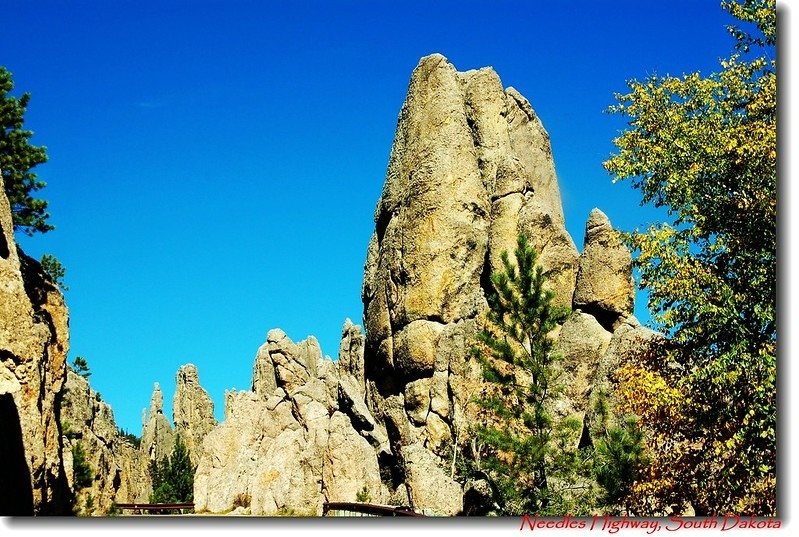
[[119, 469], [302, 435], [470, 169], [158, 438], [34, 341], [192, 411], [605, 286]]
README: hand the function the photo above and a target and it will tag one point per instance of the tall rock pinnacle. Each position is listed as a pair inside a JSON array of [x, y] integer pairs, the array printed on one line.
[[471, 168], [156, 401], [157, 437], [192, 410], [605, 285]]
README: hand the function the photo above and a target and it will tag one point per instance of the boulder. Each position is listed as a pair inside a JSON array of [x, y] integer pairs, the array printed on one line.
[[478, 497], [605, 287], [430, 489]]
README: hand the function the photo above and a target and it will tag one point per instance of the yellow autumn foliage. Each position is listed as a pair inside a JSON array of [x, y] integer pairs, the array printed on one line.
[[705, 149]]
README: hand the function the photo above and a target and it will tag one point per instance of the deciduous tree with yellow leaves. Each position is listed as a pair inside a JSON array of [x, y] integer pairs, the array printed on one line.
[[705, 149]]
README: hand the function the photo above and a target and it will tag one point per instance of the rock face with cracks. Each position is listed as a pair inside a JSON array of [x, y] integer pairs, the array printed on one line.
[[34, 342], [119, 470], [470, 169], [192, 411], [303, 434]]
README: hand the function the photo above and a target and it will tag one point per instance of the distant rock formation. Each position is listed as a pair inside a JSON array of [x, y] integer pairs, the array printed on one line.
[[301, 436], [158, 438], [120, 470], [192, 411], [46, 409], [34, 341]]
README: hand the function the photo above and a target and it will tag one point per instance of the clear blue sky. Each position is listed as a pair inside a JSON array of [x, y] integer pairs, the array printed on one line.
[[214, 166]]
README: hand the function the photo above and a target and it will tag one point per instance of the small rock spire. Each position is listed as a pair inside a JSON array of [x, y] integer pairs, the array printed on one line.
[[156, 401]]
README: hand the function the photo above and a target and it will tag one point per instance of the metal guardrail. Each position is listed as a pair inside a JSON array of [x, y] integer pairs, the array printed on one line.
[[156, 507], [367, 509], [327, 507]]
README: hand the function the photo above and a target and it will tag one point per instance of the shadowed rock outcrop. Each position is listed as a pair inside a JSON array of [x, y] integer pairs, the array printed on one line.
[[34, 341], [119, 469], [16, 491]]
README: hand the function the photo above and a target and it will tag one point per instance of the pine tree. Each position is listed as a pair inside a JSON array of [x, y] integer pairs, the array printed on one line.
[[520, 435], [82, 473], [55, 270], [618, 459], [81, 367], [173, 477], [17, 158], [181, 472]]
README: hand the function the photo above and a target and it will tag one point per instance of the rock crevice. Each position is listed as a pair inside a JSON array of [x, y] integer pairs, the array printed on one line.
[[34, 342]]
